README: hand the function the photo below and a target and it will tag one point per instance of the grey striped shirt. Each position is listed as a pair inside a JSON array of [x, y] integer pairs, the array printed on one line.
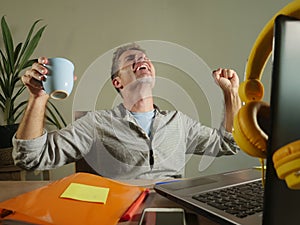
[[115, 146]]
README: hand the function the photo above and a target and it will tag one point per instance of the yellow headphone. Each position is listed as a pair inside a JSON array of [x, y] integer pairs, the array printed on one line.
[[248, 133]]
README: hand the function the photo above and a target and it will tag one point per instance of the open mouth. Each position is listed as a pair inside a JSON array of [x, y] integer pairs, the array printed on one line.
[[140, 67]]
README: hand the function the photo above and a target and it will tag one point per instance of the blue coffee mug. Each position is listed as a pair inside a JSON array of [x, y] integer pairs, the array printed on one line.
[[59, 80]]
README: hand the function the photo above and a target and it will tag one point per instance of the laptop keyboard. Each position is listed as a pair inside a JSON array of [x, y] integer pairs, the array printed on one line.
[[241, 201]]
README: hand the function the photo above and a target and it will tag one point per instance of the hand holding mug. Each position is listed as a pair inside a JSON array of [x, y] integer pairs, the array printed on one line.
[[55, 76], [58, 82]]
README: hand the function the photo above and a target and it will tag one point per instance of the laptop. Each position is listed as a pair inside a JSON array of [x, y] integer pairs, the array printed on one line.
[[276, 203]]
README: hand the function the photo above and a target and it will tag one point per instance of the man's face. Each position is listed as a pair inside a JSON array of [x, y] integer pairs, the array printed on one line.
[[134, 66]]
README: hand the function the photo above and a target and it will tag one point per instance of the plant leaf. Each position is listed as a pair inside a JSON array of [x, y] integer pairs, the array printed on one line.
[[1, 106], [2, 84], [28, 38], [19, 107], [16, 53], [2, 101], [51, 121], [12, 61], [31, 47], [1, 66], [58, 113], [6, 69], [54, 120], [18, 93], [8, 42], [29, 63]]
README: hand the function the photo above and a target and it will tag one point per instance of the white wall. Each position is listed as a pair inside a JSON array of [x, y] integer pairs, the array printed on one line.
[[220, 32]]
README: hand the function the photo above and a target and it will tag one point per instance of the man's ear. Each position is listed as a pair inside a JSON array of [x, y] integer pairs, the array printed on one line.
[[117, 83]]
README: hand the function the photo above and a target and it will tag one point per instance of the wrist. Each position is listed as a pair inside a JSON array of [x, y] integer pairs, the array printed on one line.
[[232, 105], [32, 123], [40, 100]]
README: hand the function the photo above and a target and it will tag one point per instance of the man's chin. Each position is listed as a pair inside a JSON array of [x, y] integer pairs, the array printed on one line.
[[146, 79], [143, 83]]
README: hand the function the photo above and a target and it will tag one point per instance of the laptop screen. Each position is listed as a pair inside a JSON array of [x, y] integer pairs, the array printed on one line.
[[281, 203]]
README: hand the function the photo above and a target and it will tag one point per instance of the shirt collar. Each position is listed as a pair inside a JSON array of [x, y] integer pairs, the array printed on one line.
[[125, 113]]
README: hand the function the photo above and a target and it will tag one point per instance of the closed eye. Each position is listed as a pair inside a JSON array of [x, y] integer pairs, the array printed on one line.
[[129, 58]]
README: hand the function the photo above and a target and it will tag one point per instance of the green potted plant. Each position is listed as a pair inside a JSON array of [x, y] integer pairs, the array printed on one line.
[[13, 60]]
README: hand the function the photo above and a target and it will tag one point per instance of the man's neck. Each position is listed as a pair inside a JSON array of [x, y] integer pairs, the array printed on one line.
[[137, 97], [142, 105]]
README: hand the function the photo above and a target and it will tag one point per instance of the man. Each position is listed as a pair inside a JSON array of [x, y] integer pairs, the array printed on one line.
[[135, 139]]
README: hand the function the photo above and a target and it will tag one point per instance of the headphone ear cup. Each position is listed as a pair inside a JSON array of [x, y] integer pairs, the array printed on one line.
[[287, 164], [247, 132]]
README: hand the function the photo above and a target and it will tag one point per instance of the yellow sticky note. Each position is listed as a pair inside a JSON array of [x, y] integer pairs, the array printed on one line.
[[85, 192]]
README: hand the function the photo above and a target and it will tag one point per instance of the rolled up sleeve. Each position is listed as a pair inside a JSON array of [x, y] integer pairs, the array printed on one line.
[[56, 148], [203, 140]]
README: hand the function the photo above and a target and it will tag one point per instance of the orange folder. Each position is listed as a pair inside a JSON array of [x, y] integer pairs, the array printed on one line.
[[45, 206]]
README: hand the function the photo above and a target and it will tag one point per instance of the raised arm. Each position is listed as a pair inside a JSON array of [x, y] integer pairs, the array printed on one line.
[[228, 81], [32, 123]]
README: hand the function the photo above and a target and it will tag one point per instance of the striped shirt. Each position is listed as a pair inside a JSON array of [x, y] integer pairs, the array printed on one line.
[[115, 145]]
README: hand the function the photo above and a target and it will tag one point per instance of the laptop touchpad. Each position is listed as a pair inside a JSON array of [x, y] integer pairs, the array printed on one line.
[[188, 183]]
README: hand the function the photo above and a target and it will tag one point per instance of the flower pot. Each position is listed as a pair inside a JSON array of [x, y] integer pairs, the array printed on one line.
[[6, 134], [6, 157]]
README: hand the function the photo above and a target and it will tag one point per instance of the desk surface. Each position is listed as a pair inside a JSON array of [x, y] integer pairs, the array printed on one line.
[[9, 189]]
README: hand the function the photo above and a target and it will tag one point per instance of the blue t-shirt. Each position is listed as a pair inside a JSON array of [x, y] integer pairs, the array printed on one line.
[[144, 119]]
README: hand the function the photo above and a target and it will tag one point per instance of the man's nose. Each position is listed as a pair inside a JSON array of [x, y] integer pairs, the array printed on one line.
[[141, 58]]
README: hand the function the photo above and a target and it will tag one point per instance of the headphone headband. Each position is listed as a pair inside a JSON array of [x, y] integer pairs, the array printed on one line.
[[252, 89]]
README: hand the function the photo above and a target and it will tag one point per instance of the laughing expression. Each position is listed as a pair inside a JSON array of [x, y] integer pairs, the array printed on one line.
[[134, 65]]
